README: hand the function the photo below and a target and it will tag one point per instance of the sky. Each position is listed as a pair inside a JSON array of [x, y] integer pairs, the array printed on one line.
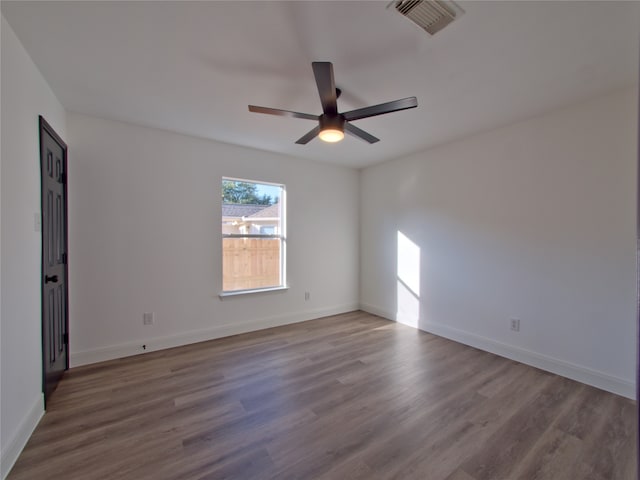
[[268, 190]]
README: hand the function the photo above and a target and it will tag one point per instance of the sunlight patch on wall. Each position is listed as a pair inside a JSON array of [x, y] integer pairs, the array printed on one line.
[[408, 289]]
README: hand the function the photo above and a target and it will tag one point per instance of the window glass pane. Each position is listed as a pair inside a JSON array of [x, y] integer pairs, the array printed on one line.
[[252, 208], [249, 263]]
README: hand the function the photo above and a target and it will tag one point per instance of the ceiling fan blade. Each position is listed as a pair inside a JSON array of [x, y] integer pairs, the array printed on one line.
[[357, 132], [396, 105], [307, 137], [323, 71], [282, 113]]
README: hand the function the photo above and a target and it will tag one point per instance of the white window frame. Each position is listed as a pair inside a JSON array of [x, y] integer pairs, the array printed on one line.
[[282, 202]]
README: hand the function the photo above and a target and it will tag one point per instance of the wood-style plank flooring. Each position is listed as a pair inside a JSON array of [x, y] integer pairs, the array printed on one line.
[[351, 396]]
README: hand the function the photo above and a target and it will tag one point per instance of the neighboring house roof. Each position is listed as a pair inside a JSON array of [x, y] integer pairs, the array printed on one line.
[[241, 210], [271, 211]]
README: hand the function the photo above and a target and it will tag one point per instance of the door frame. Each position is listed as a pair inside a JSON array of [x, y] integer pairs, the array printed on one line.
[[43, 126]]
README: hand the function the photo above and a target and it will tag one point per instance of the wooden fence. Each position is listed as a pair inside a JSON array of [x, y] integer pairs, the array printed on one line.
[[250, 263]]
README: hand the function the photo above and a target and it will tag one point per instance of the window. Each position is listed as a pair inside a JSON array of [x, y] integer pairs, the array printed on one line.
[[253, 236]]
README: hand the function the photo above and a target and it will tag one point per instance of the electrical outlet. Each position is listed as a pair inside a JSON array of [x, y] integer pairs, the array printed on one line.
[[147, 318], [307, 296], [515, 324]]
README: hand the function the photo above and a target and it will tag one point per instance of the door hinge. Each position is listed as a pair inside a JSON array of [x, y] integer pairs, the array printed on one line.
[[63, 178], [65, 338], [64, 258]]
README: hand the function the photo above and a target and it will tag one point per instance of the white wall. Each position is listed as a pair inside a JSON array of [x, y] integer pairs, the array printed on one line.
[[535, 221], [25, 95], [144, 213]]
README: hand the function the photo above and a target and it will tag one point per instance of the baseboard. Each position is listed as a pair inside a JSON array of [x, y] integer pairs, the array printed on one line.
[[374, 310], [12, 447], [160, 343], [566, 369]]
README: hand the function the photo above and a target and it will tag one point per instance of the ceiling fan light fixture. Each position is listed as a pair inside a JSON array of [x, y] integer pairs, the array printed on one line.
[[331, 128], [331, 135]]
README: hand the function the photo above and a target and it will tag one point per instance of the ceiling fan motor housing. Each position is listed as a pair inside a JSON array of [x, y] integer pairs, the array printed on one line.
[[332, 122]]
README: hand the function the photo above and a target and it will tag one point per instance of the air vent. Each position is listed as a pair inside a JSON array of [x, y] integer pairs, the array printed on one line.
[[430, 15]]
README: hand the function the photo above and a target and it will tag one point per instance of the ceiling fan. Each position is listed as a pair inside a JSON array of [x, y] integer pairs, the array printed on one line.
[[331, 124]]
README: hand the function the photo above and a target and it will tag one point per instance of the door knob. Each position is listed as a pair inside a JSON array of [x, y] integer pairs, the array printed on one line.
[[52, 278]]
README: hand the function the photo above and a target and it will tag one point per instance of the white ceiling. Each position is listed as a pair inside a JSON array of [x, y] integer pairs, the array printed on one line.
[[193, 67]]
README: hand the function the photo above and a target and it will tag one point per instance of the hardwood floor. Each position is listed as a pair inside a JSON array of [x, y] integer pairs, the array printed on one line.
[[346, 397]]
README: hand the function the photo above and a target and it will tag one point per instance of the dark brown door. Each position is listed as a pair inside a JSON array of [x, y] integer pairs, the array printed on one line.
[[55, 317]]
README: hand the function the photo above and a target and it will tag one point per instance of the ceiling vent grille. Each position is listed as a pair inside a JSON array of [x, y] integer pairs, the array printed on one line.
[[430, 15]]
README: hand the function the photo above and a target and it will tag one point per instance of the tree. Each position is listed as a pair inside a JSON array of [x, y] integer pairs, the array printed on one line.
[[244, 193]]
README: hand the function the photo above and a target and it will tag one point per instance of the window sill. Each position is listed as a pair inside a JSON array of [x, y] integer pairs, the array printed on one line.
[[253, 290]]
